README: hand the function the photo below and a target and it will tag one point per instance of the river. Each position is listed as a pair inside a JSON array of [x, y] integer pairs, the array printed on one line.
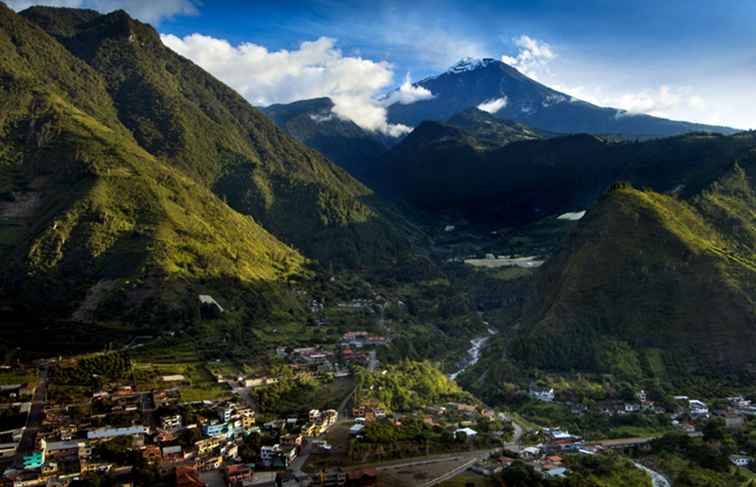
[[473, 353], [657, 479]]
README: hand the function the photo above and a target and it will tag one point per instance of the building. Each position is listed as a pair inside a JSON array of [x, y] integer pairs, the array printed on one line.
[[103, 433], [545, 394], [35, 460], [469, 432], [698, 408], [188, 477], [741, 460], [170, 422], [214, 429], [279, 456], [330, 477], [237, 474]]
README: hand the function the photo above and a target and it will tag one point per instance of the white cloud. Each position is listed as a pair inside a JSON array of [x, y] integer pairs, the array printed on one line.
[[315, 69], [493, 106], [146, 10], [407, 93], [535, 58], [664, 101], [532, 58]]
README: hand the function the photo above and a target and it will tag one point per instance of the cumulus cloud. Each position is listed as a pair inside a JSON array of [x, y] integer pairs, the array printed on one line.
[[407, 93], [493, 106], [316, 69], [146, 10], [663, 101], [532, 58]]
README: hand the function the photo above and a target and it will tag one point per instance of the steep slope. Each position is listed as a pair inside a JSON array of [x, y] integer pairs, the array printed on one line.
[[87, 215], [447, 170], [651, 284], [313, 123], [181, 114], [474, 81]]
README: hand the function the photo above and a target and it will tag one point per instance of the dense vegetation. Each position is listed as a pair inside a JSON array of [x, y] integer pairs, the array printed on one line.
[[584, 471], [667, 288], [92, 370], [406, 386], [183, 115]]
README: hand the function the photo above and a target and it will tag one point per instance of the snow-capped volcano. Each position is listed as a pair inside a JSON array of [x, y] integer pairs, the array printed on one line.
[[471, 82]]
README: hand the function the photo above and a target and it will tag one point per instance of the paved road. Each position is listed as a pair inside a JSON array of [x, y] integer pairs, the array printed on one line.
[[34, 420]]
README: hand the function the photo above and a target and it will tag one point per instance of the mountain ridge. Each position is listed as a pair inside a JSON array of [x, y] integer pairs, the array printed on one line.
[[183, 114]]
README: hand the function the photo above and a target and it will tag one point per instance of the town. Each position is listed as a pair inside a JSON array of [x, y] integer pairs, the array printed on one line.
[[143, 435]]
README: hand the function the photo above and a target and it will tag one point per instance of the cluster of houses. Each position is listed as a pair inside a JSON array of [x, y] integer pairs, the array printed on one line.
[[190, 439]]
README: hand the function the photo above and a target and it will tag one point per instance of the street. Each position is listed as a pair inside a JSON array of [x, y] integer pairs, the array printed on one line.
[[34, 420]]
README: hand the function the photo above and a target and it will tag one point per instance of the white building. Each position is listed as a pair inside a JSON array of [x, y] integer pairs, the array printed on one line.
[[545, 394], [741, 460], [698, 408]]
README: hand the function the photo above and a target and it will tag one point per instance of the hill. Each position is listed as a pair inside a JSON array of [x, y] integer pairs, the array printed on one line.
[[183, 115], [447, 170], [313, 123], [93, 223], [472, 82], [652, 285]]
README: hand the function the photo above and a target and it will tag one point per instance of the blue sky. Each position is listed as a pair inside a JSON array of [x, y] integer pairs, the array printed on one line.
[[693, 60]]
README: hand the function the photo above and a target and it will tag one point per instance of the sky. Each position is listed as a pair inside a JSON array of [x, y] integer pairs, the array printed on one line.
[[682, 59]]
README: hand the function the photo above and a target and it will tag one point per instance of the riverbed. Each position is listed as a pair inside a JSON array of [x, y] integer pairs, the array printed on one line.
[[473, 353]]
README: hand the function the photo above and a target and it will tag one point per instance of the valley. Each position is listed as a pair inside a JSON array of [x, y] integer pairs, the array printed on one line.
[[196, 291]]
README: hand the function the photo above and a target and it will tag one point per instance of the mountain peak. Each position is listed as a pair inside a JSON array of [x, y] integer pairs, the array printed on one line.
[[470, 64]]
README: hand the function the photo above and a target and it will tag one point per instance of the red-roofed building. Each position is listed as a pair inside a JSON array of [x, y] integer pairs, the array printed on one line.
[[237, 474], [188, 477]]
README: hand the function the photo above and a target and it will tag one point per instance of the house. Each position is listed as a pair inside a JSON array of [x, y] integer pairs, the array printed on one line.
[[170, 423], [556, 472], [741, 460], [237, 474], [331, 477], [214, 429], [530, 453], [172, 454], [277, 455], [698, 408], [631, 407], [102, 433], [469, 432], [188, 477], [545, 394]]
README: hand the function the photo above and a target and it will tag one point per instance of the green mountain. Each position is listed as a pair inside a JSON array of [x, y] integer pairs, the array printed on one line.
[[87, 214], [652, 284], [131, 181], [184, 116], [313, 123]]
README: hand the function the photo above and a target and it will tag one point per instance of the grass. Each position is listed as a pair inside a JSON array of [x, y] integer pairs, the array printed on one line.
[[469, 480], [18, 376]]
